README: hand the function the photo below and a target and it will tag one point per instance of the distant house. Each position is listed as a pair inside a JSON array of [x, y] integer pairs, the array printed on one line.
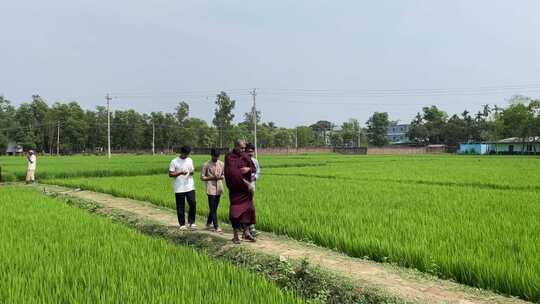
[[13, 149], [474, 148], [516, 145], [513, 145], [397, 134]]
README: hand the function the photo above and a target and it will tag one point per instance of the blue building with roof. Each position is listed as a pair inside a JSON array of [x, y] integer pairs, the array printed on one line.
[[513, 145], [474, 148]]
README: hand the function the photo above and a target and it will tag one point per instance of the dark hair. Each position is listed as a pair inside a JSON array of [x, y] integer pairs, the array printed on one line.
[[214, 152], [185, 150], [250, 146]]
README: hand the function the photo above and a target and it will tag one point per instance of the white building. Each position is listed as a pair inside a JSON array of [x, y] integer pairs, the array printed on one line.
[[397, 134]]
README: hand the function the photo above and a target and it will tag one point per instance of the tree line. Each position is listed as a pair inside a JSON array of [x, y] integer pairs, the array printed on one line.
[[521, 118], [71, 129]]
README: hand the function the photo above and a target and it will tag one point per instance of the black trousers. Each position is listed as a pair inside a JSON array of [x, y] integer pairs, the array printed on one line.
[[180, 207], [213, 203]]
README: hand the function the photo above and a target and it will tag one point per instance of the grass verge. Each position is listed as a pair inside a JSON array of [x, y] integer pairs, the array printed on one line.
[[311, 283]]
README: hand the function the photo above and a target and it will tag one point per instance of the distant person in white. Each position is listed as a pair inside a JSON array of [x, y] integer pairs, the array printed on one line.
[[181, 170], [31, 169], [250, 150]]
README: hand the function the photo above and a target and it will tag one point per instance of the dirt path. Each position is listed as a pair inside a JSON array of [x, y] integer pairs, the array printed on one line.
[[402, 283]]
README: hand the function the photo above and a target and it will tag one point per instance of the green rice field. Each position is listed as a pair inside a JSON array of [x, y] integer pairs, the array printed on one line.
[[14, 167], [53, 253], [471, 219]]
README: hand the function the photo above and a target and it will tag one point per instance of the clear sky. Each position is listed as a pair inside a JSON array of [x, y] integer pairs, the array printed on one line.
[[310, 59]]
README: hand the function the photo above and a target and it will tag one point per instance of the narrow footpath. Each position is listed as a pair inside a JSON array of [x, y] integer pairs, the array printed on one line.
[[394, 281]]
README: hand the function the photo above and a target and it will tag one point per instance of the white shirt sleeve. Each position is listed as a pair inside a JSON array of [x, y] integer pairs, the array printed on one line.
[[258, 172], [191, 168], [172, 167]]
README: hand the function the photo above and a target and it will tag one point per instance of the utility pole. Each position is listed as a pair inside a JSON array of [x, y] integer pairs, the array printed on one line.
[[108, 98], [153, 138], [58, 139], [254, 118]]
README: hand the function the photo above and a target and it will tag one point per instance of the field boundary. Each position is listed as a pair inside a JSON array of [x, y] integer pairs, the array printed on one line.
[[368, 278], [490, 186], [308, 282]]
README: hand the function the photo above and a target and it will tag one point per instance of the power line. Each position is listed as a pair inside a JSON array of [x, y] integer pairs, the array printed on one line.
[[396, 93], [356, 103], [534, 84], [355, 94], [150, 95], [181, 92]]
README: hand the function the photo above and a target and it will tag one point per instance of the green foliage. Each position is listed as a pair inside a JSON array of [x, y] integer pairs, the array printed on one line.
[[322, 130], [351, 133], [128, 165], [127, 131], [306, 136], [7, 121], [182, 112], [517, 120], [96, 125], [198, 134], [429, 127], [73, 128], [520, 119], [283, 138], [377, 127], [248, 119], [34, 125], [310, 282], [223, 118], [54, 253]]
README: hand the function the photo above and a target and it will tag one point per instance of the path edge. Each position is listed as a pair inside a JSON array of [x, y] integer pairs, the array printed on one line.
[[310, 282]]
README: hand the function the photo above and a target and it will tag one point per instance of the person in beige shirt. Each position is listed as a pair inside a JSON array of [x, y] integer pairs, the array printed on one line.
[[213, 174]]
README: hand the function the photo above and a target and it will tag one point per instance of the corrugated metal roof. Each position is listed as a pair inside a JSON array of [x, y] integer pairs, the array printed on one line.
[[511, 140], [519, 140]]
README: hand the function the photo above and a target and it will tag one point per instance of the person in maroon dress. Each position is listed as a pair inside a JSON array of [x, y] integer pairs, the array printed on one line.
[[238, 169]]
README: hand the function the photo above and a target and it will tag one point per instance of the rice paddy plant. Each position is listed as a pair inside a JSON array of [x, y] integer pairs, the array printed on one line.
[[54, 253], [481, 236], [489, 172], [14, 167]]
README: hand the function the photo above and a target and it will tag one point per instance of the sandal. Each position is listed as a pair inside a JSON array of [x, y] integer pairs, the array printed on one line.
[[236, 240], [248, 237]]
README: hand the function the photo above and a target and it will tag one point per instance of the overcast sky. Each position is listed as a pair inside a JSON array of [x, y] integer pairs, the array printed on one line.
[[309, 59]]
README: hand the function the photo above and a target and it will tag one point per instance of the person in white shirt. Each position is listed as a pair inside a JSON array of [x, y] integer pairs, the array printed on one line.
[[181, 170], [31, 169], [250, 151]]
